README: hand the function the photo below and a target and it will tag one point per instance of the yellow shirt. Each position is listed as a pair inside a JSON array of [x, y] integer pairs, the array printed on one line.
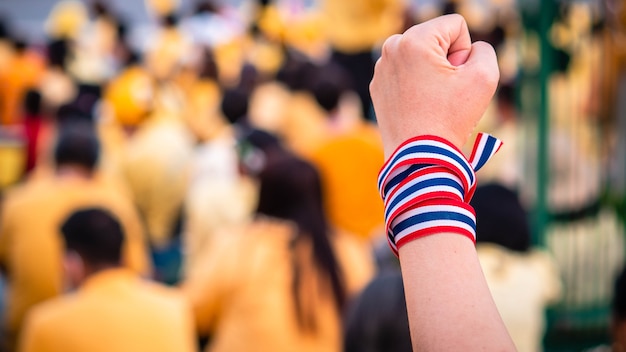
[[156, 166], [349, 165], [31, 242], [112, 311], [242, 296]]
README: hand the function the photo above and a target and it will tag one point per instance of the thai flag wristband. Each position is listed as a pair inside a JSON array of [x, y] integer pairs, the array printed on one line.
[[426, 186]]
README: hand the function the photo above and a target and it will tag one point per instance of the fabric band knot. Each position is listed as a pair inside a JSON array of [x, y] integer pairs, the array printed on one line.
[[426, 186]]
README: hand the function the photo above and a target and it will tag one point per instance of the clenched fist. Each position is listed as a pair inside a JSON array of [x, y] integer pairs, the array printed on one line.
[[433, 80]]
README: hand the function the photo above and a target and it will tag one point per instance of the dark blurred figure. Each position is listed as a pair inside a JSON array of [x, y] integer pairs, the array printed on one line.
[[33, 126], [618, 322], [30, 247], [234, 106], [501, 219], [286, 267], [378, 321], [113, 309]]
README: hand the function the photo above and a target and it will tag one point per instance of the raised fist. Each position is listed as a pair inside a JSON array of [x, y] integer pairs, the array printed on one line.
[[433, 80]]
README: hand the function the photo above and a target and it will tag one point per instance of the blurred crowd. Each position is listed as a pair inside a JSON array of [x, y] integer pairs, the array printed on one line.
[[212, 184]]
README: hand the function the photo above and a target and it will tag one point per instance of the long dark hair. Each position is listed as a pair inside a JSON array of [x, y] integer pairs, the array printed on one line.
[[290, 189]]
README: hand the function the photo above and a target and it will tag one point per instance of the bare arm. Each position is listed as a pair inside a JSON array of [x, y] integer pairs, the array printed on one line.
[[448, 302], [432, 80]]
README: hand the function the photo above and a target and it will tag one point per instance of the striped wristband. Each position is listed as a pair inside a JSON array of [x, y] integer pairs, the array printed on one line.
[[426, 186]]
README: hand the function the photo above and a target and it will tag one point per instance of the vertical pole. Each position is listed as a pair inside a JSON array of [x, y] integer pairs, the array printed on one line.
[[543, 124]]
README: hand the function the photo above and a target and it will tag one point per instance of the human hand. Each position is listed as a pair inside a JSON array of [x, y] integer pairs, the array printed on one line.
[[432, 80]]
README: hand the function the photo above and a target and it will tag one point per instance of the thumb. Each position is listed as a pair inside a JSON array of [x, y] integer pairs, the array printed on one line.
[[482, 66]]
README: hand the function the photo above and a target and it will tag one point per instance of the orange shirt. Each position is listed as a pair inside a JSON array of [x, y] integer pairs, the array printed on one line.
[[242, 294], [348, 164], [22, 72], [112, 311], [31, 244]]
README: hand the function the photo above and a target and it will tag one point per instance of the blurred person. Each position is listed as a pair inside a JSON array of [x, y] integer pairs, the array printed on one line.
[[377, 321], [287, 108], [169, 48], [354, 29], [585, 235], [93, 59], [109, 308], [149, 146], [129, 97], [30, 251], [35, 126], [348, 159], [509, 263], [66, 20], [57, 86], [219, 195], [22, 72], [281, 282], [156, 166]]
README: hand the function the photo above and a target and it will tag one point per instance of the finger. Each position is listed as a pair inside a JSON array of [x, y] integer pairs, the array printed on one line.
[[389, 45], [453, 37], [482, 63]]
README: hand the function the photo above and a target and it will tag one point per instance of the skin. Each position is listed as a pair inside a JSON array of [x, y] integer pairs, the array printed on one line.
[[433, 80]]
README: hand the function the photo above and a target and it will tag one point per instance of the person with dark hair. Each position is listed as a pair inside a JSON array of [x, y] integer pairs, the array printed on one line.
[[349, 157], [234, 106], [287, 267], [77, 147], [112, 309], [30, 251]]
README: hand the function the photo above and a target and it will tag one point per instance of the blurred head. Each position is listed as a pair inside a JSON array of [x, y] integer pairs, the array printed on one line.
[[32, 103], [67, 19], [4, 28], [206, 6], [58, 51], [131, 96], [93, 242], [235, 105], [100, 9], [297, 73], [505, 98], [500, 218], [77, 147], [170, 20], [291, 190], [329, 85]]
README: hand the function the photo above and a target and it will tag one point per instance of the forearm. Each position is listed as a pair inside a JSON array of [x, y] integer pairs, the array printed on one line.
[[449, 304]]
